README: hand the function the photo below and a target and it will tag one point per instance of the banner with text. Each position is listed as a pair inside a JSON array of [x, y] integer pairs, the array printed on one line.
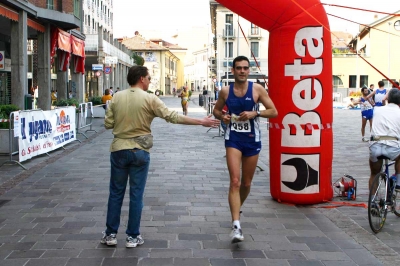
[[44, 131]]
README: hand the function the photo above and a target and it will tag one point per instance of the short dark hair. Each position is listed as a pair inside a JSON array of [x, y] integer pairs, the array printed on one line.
[[394, 96], [135, 73], [397, 83], [107, 92], [364, 88], [381, 83], [240, 58]]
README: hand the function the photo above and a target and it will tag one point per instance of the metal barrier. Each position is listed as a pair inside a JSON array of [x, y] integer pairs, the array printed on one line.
[[11, 142], [337, 95], [84, 118], [90, 116]]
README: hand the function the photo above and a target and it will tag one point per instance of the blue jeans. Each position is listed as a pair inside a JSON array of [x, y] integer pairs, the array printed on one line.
[[135, 164]]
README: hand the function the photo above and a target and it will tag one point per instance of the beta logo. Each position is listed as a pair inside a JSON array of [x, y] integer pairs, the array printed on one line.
[[300, 175]]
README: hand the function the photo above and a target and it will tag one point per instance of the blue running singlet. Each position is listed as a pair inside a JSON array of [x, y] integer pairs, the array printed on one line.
[[379, 94], [245, 131], [367, 110]]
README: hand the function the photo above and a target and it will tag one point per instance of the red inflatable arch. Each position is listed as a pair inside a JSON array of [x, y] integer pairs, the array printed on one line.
[[300, 84]]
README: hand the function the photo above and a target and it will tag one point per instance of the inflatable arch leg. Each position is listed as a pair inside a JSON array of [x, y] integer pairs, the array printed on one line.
[[300, 84]]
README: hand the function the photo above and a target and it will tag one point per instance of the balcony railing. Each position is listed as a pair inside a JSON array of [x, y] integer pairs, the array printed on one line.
[[254, 33], [92, 44], [228, 33]]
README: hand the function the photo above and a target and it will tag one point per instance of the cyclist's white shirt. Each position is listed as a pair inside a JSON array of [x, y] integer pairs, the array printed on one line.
[[386, 122]]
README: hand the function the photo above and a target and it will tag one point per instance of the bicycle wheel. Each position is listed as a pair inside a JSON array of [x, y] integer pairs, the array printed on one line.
[[396, 203], [376, 203]]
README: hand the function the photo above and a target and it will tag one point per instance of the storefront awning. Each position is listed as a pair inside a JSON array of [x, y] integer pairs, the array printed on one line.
[[13, 15]]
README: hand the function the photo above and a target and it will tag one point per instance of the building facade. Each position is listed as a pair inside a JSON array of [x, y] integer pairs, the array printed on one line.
[[33, 49], [377, 45], [163, 59], [233, 36], [107, 60]]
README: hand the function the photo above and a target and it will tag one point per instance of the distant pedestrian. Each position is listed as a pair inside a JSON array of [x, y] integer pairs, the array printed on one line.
[[185, 98], [380, 94], [129, 115], [367, 110], [106, 97]]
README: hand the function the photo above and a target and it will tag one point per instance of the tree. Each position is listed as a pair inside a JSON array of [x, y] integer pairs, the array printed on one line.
[[138, 59]]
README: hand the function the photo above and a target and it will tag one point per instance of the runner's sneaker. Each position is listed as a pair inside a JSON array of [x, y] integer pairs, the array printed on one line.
[[365, 139], [374, 209], [132, 242], [236, 235], [109, 240], [397, 188]]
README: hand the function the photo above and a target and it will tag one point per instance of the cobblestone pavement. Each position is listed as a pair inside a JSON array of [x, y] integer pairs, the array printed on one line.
[[54, 212]]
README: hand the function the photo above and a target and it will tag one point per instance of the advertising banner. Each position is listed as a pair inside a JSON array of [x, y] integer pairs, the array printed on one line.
[[2, 60], [44, 131]]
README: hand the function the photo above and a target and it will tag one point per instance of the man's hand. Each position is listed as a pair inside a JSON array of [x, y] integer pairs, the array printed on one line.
[[226, 119], [244, 116], [210, 122]]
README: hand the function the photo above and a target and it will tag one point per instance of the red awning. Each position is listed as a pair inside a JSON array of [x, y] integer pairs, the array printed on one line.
[[64, 41], [78, 46], [8, 13], [36, 26], [13, 15]]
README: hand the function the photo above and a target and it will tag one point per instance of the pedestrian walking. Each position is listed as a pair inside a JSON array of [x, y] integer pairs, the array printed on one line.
[[242, 136], [130, 114], [367, 110]]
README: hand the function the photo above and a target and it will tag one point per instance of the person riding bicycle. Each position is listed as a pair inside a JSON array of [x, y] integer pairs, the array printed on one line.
[[385, 136]]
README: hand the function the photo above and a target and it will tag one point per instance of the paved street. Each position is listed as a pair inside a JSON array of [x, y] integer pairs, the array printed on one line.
[[54, 212]]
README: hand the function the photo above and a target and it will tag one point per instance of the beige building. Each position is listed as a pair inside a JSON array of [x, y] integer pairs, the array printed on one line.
[[164, 61], [229, 42], [378, 46]]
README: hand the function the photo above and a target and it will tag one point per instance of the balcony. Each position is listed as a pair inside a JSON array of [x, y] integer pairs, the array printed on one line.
[[228, 33], [254, 33]]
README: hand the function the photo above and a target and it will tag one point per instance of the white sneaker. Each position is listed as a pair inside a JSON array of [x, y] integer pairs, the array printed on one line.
[[236, 235], [109, 240], [134, 242]]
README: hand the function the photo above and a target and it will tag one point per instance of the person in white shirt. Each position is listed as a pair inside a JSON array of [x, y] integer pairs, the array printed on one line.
[[386, 124]]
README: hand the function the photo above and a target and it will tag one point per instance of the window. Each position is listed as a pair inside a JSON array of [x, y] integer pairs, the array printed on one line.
[[352, 81], [50, 4], [228, 49], [363, 81], [255, 30], [337, 82], [254, 48], [77, 9], [229, 25]]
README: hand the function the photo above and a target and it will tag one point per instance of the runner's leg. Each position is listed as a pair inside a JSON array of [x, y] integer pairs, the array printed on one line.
[[233, 160], [249, 165]]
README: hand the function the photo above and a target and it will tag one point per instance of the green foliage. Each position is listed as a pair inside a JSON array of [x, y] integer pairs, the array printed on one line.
[[96, 100], [340, 50], [138, 59], [6, 110], [66, 102]]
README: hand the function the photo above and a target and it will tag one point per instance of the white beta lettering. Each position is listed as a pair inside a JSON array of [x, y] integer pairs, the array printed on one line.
[[302, 92], [306, 101], [298, 69], [299, 138], [309, 34]]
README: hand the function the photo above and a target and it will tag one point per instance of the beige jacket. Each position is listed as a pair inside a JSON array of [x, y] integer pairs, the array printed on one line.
[[130, 114]]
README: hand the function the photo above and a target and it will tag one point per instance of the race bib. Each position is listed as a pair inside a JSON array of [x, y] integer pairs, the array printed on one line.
[[240, 126]]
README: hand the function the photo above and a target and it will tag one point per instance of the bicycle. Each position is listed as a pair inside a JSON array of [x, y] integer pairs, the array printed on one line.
[[382, 197]]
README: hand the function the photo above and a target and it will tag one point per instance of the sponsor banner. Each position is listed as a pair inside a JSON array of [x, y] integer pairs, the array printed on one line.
[[44, 131], [2, 60]]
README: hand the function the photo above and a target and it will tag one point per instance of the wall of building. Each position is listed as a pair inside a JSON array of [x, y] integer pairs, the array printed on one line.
[[381, 51]]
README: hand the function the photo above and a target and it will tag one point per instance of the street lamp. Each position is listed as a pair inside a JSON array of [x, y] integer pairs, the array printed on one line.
[[227, 51]]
